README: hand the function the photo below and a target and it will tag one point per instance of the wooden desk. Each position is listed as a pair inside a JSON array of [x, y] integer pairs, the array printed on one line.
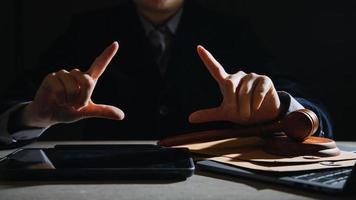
[[202, 185]]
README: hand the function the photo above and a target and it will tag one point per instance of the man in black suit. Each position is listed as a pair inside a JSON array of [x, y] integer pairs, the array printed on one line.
[[157, 79]]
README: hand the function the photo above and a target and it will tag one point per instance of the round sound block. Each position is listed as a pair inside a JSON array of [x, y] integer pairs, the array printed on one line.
[[312, 146]]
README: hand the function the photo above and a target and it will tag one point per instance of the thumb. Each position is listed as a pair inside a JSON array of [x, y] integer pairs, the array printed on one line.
[[206, 115], [102, 111]]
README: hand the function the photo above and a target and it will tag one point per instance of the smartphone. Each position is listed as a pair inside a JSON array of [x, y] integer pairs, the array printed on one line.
[[98, 162]]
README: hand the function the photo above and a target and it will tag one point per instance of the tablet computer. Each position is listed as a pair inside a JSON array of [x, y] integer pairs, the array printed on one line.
[[67, 162]]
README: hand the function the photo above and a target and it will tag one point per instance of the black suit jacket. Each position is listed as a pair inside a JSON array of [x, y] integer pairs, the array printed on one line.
[[157, 106]]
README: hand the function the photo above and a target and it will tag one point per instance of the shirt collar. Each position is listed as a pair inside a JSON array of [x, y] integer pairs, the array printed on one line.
[[171, 24]]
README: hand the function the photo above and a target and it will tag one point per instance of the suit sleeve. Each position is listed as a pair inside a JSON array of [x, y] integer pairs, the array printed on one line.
[[15, 139], [23, 89]]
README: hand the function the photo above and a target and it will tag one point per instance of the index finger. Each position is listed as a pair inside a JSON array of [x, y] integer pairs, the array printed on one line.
[[101, 62], [214, 67]]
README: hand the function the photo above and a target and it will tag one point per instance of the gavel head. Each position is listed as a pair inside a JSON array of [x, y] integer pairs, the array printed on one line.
[[300, 124]]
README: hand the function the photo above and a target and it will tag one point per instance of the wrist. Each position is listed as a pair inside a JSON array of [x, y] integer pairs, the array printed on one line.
[[288, 103], [29, 117], [17, 122]]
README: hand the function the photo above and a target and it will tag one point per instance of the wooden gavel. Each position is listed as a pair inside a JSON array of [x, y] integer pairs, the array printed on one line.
[[297, 125]]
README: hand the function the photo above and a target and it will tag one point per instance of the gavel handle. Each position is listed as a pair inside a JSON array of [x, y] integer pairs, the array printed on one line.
[[211, 135], [297, 125]]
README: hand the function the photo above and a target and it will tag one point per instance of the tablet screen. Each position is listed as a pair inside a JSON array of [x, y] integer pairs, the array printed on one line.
[[97, 158]]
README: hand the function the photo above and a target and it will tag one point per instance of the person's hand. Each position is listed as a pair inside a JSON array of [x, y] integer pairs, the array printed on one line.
[[248, 98], [65, 97]]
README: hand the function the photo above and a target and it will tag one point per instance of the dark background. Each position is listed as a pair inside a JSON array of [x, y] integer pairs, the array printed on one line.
[[314, 39]]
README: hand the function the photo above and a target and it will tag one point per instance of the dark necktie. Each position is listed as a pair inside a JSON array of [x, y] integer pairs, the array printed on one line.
[[158, 38]]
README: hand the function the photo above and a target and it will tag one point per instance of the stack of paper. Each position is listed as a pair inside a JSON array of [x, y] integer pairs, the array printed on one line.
[[248, 153]]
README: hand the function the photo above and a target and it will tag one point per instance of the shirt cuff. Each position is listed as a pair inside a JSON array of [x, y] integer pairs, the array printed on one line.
[[288, 103], [7, 138]]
